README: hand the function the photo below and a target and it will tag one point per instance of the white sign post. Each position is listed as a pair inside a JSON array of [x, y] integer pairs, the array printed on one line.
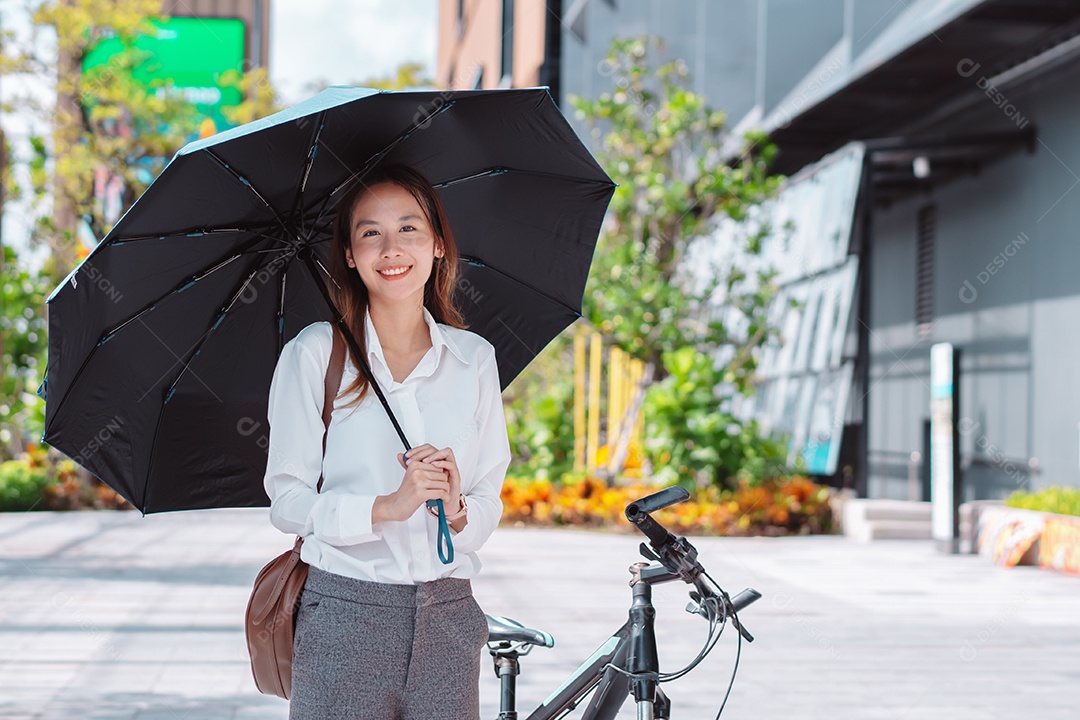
[[945, 486]]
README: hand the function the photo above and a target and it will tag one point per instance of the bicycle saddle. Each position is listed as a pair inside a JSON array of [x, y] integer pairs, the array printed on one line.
[[502, 629]]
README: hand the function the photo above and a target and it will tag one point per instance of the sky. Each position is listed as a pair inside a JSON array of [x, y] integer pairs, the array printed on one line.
[[316, 40]]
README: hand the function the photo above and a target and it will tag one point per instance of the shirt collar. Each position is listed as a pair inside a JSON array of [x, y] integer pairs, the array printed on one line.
[[439, 340]]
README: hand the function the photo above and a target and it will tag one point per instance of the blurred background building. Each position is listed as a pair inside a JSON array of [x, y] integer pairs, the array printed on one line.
[[933, 169], [254, 14], [197, 42]]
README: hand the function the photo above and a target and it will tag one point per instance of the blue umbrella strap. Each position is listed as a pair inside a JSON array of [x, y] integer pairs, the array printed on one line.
[[446, 557]]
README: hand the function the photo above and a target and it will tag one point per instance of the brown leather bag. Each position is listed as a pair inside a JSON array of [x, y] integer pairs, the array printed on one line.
[[271, 612]]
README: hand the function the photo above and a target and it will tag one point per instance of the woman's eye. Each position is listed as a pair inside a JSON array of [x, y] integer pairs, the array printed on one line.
[[370, 233], [408, 227]]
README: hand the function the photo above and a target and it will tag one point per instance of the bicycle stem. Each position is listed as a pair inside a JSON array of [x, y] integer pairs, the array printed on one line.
[[642, 661]]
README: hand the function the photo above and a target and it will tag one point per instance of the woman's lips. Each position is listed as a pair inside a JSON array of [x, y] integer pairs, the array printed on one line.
[[395, 277]]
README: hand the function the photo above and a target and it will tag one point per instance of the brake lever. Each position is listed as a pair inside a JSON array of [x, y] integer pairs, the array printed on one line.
[[742, 630], [740, 601]]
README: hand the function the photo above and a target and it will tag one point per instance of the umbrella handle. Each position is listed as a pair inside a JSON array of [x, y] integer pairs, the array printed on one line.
[[444, 534]]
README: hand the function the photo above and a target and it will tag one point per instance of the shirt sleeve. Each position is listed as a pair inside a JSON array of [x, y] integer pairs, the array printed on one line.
[[295, 457], [483, 496]]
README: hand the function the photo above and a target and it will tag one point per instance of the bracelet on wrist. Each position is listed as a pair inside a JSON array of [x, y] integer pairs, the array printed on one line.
[[462, 510]]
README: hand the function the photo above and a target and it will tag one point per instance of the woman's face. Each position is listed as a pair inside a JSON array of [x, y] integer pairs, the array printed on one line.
[[390, 232]]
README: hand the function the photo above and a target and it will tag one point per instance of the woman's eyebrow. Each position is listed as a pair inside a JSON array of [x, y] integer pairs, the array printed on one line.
[[403, 218]]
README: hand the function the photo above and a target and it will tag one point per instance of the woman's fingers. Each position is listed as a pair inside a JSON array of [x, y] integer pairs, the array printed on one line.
[[420, 451]]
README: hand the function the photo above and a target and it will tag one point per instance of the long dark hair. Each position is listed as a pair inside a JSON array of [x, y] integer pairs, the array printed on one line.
[[351, 295]]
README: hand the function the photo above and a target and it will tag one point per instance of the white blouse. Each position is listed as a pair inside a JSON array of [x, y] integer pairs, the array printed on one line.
[[451, 398]]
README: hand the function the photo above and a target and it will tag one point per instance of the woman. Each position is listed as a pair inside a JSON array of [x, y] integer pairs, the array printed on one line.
[[385, 629]]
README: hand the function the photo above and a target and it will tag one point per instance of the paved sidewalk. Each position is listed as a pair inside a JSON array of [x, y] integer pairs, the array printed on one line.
[[113, 615]]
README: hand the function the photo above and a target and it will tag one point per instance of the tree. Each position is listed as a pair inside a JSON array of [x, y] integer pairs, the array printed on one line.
[[405, 76], [103, 122], [665, 147], [23, 331], [260, 96]]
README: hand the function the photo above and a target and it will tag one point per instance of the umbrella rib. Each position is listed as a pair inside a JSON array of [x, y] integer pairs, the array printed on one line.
[[374, 159], [499, 170], [302, 186], [494, 171], [105, 337], [477, 262], [182, 286], [189, 233], [256, 268], [247, 183]]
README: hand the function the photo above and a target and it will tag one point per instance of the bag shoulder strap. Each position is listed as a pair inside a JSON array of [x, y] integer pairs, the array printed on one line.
[[332, 383]]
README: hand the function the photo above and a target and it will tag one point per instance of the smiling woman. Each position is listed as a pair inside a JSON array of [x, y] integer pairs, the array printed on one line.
[[375, 597]]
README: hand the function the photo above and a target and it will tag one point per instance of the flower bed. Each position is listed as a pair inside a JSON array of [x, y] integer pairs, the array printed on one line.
[[37, 481], [777, 506], [1040, 528]]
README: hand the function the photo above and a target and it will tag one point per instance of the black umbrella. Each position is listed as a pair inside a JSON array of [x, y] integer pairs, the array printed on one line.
[[163, 341]]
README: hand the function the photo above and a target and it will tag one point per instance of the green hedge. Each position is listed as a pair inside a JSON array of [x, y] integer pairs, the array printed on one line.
[[1060, 500], [21, 485]]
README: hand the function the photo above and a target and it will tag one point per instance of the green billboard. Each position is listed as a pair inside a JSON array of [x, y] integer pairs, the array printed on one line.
[[192, 53]]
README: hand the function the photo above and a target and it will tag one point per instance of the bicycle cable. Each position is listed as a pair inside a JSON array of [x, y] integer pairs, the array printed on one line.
[[710, 642], [738, 646], [711, 638]]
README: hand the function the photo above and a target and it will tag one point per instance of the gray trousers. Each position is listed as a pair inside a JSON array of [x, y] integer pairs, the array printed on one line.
[[376, 651]]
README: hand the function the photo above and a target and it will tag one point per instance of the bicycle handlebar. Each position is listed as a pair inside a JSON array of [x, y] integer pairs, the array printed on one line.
[[638, 511], [658, 500], [678, 555]]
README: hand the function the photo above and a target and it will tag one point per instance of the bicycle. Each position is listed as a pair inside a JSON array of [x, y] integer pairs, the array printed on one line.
[[627, 663]]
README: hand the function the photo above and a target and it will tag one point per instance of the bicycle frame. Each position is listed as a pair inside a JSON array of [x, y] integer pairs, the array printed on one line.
[[631, 647], [627, 663]]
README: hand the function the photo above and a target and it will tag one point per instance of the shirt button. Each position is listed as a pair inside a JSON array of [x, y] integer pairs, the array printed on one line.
[[421, 554]]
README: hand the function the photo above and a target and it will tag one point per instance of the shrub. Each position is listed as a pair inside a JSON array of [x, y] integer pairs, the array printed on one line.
[[35, 480], [690, 441], [1060, 500], [21, 485]]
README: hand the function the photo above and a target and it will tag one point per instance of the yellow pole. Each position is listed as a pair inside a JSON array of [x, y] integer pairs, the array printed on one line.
[[639, 424], [579, 400], [592, 443], [615, 404]]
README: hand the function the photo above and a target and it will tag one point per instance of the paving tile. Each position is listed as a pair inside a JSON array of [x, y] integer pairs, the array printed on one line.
[[116, 616]]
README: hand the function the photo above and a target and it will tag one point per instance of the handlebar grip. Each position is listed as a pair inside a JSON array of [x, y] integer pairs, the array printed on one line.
[[746, 597], [656, 532], [656, 501]]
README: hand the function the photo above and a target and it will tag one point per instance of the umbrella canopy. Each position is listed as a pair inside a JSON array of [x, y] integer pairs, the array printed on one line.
[[163, 341]]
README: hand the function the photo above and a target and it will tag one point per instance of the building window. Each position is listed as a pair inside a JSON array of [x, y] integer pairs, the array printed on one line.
[[926, 225], [507, 42]]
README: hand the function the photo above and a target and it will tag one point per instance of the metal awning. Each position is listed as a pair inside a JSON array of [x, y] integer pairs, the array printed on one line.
[[905, 166], [948, 63]]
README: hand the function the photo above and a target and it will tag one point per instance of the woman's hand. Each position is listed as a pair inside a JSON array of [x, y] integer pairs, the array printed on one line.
[[443, 459], [422, 482]]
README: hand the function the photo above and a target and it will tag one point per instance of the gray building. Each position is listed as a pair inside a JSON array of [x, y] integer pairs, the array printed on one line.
[[964, 114]]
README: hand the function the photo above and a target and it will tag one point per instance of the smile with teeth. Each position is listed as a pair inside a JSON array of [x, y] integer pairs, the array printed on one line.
[[395, 271]]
